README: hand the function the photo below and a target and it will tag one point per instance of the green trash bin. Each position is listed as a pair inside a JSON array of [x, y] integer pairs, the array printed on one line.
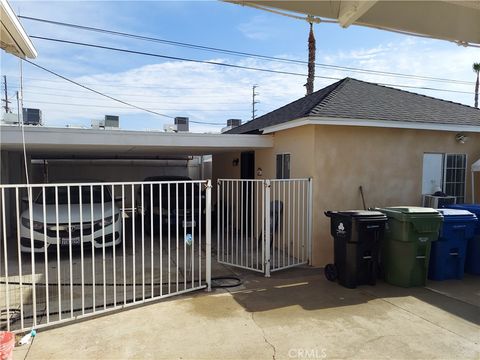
[[405, 251]]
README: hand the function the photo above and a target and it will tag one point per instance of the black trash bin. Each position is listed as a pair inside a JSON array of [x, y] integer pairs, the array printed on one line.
[[357, 235]]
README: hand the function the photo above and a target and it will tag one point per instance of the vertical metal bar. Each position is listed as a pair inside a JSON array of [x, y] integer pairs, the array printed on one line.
[[114, 260], [208, 234], [288, 183], [143, 240], [192, 248], [274, 222], [227, 232], [151, 241], [19, 250], [242, 182], [59, 283], [247, 220], [47, 295], [134, 245], [178, 235], [259, 220], [34, 285], [310, 214], [252, 220], [104, 274], [299, 202], [284, 234], [218, 220], [160, 220], [236, 221], [93, 250], [5, 260], [184, 235], [82, 257], [169, 234], [200, 236], [267, 229], [280, 227], [122, 214], [304, 228], [70, 260]]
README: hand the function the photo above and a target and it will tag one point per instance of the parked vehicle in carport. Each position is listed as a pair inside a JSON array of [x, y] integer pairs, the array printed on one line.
[[53, 226], [180, 203]]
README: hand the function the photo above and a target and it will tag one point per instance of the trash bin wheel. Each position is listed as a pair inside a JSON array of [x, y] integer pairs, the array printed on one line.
[[331, 272]]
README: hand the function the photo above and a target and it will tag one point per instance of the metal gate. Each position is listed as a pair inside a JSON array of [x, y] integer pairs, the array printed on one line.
[[70, 251], [264, 225]]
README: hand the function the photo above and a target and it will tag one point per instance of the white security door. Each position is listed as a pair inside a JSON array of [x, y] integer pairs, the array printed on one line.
[[432, 172]]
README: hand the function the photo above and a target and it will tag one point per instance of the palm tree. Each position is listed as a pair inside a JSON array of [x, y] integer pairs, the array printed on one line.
[[476, 69]]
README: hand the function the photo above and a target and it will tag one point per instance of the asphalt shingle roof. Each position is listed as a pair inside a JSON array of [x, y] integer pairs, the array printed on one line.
[[354, 99]]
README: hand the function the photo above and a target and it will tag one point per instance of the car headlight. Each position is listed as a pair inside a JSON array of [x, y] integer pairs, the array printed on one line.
[[107, 221], [37, 225]]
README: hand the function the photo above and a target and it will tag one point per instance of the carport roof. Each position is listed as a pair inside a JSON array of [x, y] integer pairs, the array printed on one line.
[[374, 104], [77, 143]]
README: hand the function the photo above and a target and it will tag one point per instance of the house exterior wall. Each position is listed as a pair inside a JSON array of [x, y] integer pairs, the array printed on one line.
[[387, 163]]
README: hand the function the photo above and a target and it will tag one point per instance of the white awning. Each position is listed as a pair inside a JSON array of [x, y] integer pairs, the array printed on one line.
[[453, 20], [13, 38], [476, 166]]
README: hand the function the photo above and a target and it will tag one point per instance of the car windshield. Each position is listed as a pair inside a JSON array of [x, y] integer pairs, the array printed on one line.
[[87, 195]]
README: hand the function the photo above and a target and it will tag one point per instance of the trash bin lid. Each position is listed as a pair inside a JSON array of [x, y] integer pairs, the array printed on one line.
[[473, 208], [362, 213], [457, 214], [412, 210]]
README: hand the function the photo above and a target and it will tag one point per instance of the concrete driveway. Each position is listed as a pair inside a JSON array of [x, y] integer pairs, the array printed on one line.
[[295, 314]]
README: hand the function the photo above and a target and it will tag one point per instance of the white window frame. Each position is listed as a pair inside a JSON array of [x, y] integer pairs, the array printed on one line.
[[454, 183], [283, 165]]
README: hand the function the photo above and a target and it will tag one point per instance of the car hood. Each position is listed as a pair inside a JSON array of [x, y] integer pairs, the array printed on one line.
[[37, 211]]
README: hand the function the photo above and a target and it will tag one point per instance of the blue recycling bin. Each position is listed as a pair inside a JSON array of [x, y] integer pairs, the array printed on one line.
[[472, 259], [447, 255]]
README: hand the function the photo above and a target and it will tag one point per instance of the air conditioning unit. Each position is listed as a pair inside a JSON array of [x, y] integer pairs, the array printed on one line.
[[111, 121], [9, 118], [32, 116], [182, 123], [438, 202]]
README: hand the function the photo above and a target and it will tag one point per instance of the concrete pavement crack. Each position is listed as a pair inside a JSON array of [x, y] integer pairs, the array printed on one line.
[[265, 336]]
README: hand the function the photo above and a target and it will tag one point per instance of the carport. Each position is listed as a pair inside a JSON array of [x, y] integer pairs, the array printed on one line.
[[141, 248]]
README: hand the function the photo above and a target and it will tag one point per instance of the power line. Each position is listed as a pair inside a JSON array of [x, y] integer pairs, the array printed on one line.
[[232, 65], [116, 107], [177, 58], [95, 91], [248, 54], [137, 101], [111, 97]]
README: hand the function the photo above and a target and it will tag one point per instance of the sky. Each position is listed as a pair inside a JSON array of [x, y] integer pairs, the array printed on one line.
[[207, 93]]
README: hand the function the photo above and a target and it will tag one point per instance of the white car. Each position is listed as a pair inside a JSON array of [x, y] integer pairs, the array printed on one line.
[[107, 229]]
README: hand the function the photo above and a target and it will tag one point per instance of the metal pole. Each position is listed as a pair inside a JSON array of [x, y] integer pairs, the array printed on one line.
[[310, 220], [267, 228], [208, 233]]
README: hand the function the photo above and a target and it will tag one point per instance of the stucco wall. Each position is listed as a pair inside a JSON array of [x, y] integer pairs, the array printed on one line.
[[388, 163]]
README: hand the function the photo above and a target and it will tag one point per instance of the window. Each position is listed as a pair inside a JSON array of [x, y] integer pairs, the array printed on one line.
[[454, 178], [283, 166], [446, 171]]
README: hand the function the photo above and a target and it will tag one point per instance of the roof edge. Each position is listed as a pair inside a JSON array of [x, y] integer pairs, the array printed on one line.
[[318, 120]]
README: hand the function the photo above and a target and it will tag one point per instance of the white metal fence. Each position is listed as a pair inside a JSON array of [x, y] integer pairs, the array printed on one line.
[[74, 250], [264, 225]]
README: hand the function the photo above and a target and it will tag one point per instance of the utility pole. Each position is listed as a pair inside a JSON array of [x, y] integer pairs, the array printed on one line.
[[254, 94], [5, 100]]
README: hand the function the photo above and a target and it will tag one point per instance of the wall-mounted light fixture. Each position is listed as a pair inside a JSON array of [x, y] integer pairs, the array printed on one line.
[[461, 138], [235, 162], [259, 172]]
